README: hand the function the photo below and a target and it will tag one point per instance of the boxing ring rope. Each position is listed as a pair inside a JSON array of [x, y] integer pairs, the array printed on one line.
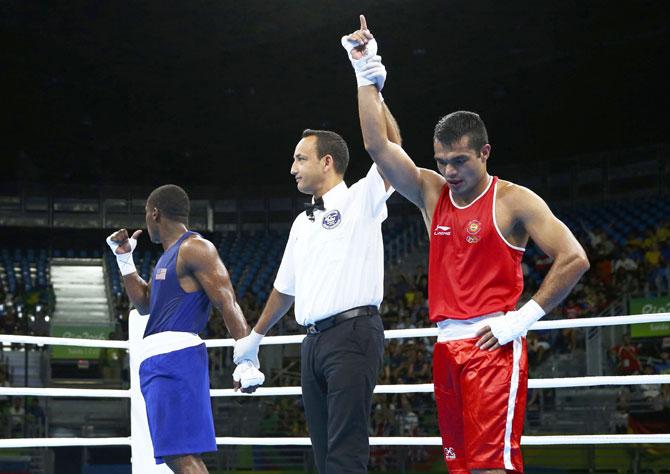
[[375, 441], [389, 334], [553, 440], [560, 382]]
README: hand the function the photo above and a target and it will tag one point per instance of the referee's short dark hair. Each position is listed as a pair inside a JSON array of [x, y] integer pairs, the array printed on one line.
[[172, 201], [331, 143]]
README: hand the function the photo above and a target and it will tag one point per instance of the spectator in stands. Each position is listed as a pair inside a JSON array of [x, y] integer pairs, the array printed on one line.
[[652, 256], [421, 279], [662, 365], [663, 232], [4, 399], [110, 360], [16, 416], [543, 263], [408, 421], [649, 239], [659, 276], [537, 348], [626, 355], [382, 425], [399, 287], [8, 322], [625, 281], [651, 392], [625, 260], [604, 268], [572, 309], [36, 418]]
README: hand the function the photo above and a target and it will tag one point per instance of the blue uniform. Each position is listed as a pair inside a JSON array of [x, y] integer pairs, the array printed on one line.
[[174, 377], [173, 309]]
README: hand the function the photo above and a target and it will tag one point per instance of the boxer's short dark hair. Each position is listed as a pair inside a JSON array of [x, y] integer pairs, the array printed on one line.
[[456, 125], [172, 201]]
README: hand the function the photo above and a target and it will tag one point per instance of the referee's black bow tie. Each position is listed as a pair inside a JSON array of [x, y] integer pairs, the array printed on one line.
[[317, 205]]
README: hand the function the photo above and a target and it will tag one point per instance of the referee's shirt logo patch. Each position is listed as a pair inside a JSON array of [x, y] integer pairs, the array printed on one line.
[[331, 220]]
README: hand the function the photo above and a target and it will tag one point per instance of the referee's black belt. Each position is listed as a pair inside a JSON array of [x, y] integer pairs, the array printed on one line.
[[336, 319]]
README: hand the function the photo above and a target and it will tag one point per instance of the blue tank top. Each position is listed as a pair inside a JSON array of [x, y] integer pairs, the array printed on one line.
[[172, 308]]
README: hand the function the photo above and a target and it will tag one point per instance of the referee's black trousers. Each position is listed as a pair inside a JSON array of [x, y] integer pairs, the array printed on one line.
[[339, 372]]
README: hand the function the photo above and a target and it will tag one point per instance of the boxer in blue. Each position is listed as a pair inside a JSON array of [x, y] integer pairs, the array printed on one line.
[[188, 279]]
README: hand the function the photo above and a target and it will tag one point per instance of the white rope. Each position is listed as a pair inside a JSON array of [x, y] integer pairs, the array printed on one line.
[[595, 439], [406, 388], [58, 442], [374, 441], [602, 321], [432, 332], [437, 441], [64, 392], [63, 341], [563, 382], [389, 334], [428, 387]]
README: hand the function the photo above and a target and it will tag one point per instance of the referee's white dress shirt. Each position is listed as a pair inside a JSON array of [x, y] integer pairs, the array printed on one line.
[[337, 262]]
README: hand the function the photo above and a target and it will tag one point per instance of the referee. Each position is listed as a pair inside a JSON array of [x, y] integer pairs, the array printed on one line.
[[333, 270]]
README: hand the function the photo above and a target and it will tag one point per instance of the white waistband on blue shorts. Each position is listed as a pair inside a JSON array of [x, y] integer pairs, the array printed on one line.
[[454, 329], [168, 341]]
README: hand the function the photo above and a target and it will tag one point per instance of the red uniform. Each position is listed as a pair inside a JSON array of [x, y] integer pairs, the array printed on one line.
[[472, 270], [480, 395]]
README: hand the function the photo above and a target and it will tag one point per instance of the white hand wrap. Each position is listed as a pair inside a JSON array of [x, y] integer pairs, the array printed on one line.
[[124, 260], [514, 324], [374, 71], [358, 64], [246, 348], [248, 375]]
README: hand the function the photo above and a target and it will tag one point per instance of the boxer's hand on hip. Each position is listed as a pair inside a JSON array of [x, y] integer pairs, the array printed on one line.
[[511, 325]]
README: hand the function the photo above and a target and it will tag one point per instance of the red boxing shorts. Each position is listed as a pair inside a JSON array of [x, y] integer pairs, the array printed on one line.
[[481, 403]]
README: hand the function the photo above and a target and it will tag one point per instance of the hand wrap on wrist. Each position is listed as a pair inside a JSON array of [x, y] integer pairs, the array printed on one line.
[[514, 324], [369, 52], [123, 260]]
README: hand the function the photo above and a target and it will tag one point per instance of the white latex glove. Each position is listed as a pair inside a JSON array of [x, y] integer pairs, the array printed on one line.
[[246, 348], [375, 72]]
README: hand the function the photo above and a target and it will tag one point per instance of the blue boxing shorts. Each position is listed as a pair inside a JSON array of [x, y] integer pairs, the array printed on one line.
[[174, 378]]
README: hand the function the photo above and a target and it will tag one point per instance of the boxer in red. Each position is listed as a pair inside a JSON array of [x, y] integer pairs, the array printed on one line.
[[479, 226]]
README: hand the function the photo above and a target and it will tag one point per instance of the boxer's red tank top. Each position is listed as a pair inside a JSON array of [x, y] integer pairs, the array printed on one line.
[[472, 269]]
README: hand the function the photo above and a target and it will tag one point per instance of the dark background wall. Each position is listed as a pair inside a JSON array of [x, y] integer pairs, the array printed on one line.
[[216, 92]]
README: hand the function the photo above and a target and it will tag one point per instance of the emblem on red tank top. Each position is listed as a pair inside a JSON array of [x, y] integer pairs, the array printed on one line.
[[472, 229], [449, 453]]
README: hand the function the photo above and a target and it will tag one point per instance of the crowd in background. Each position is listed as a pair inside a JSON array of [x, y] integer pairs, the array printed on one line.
[[26, 312], [638, 265]]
